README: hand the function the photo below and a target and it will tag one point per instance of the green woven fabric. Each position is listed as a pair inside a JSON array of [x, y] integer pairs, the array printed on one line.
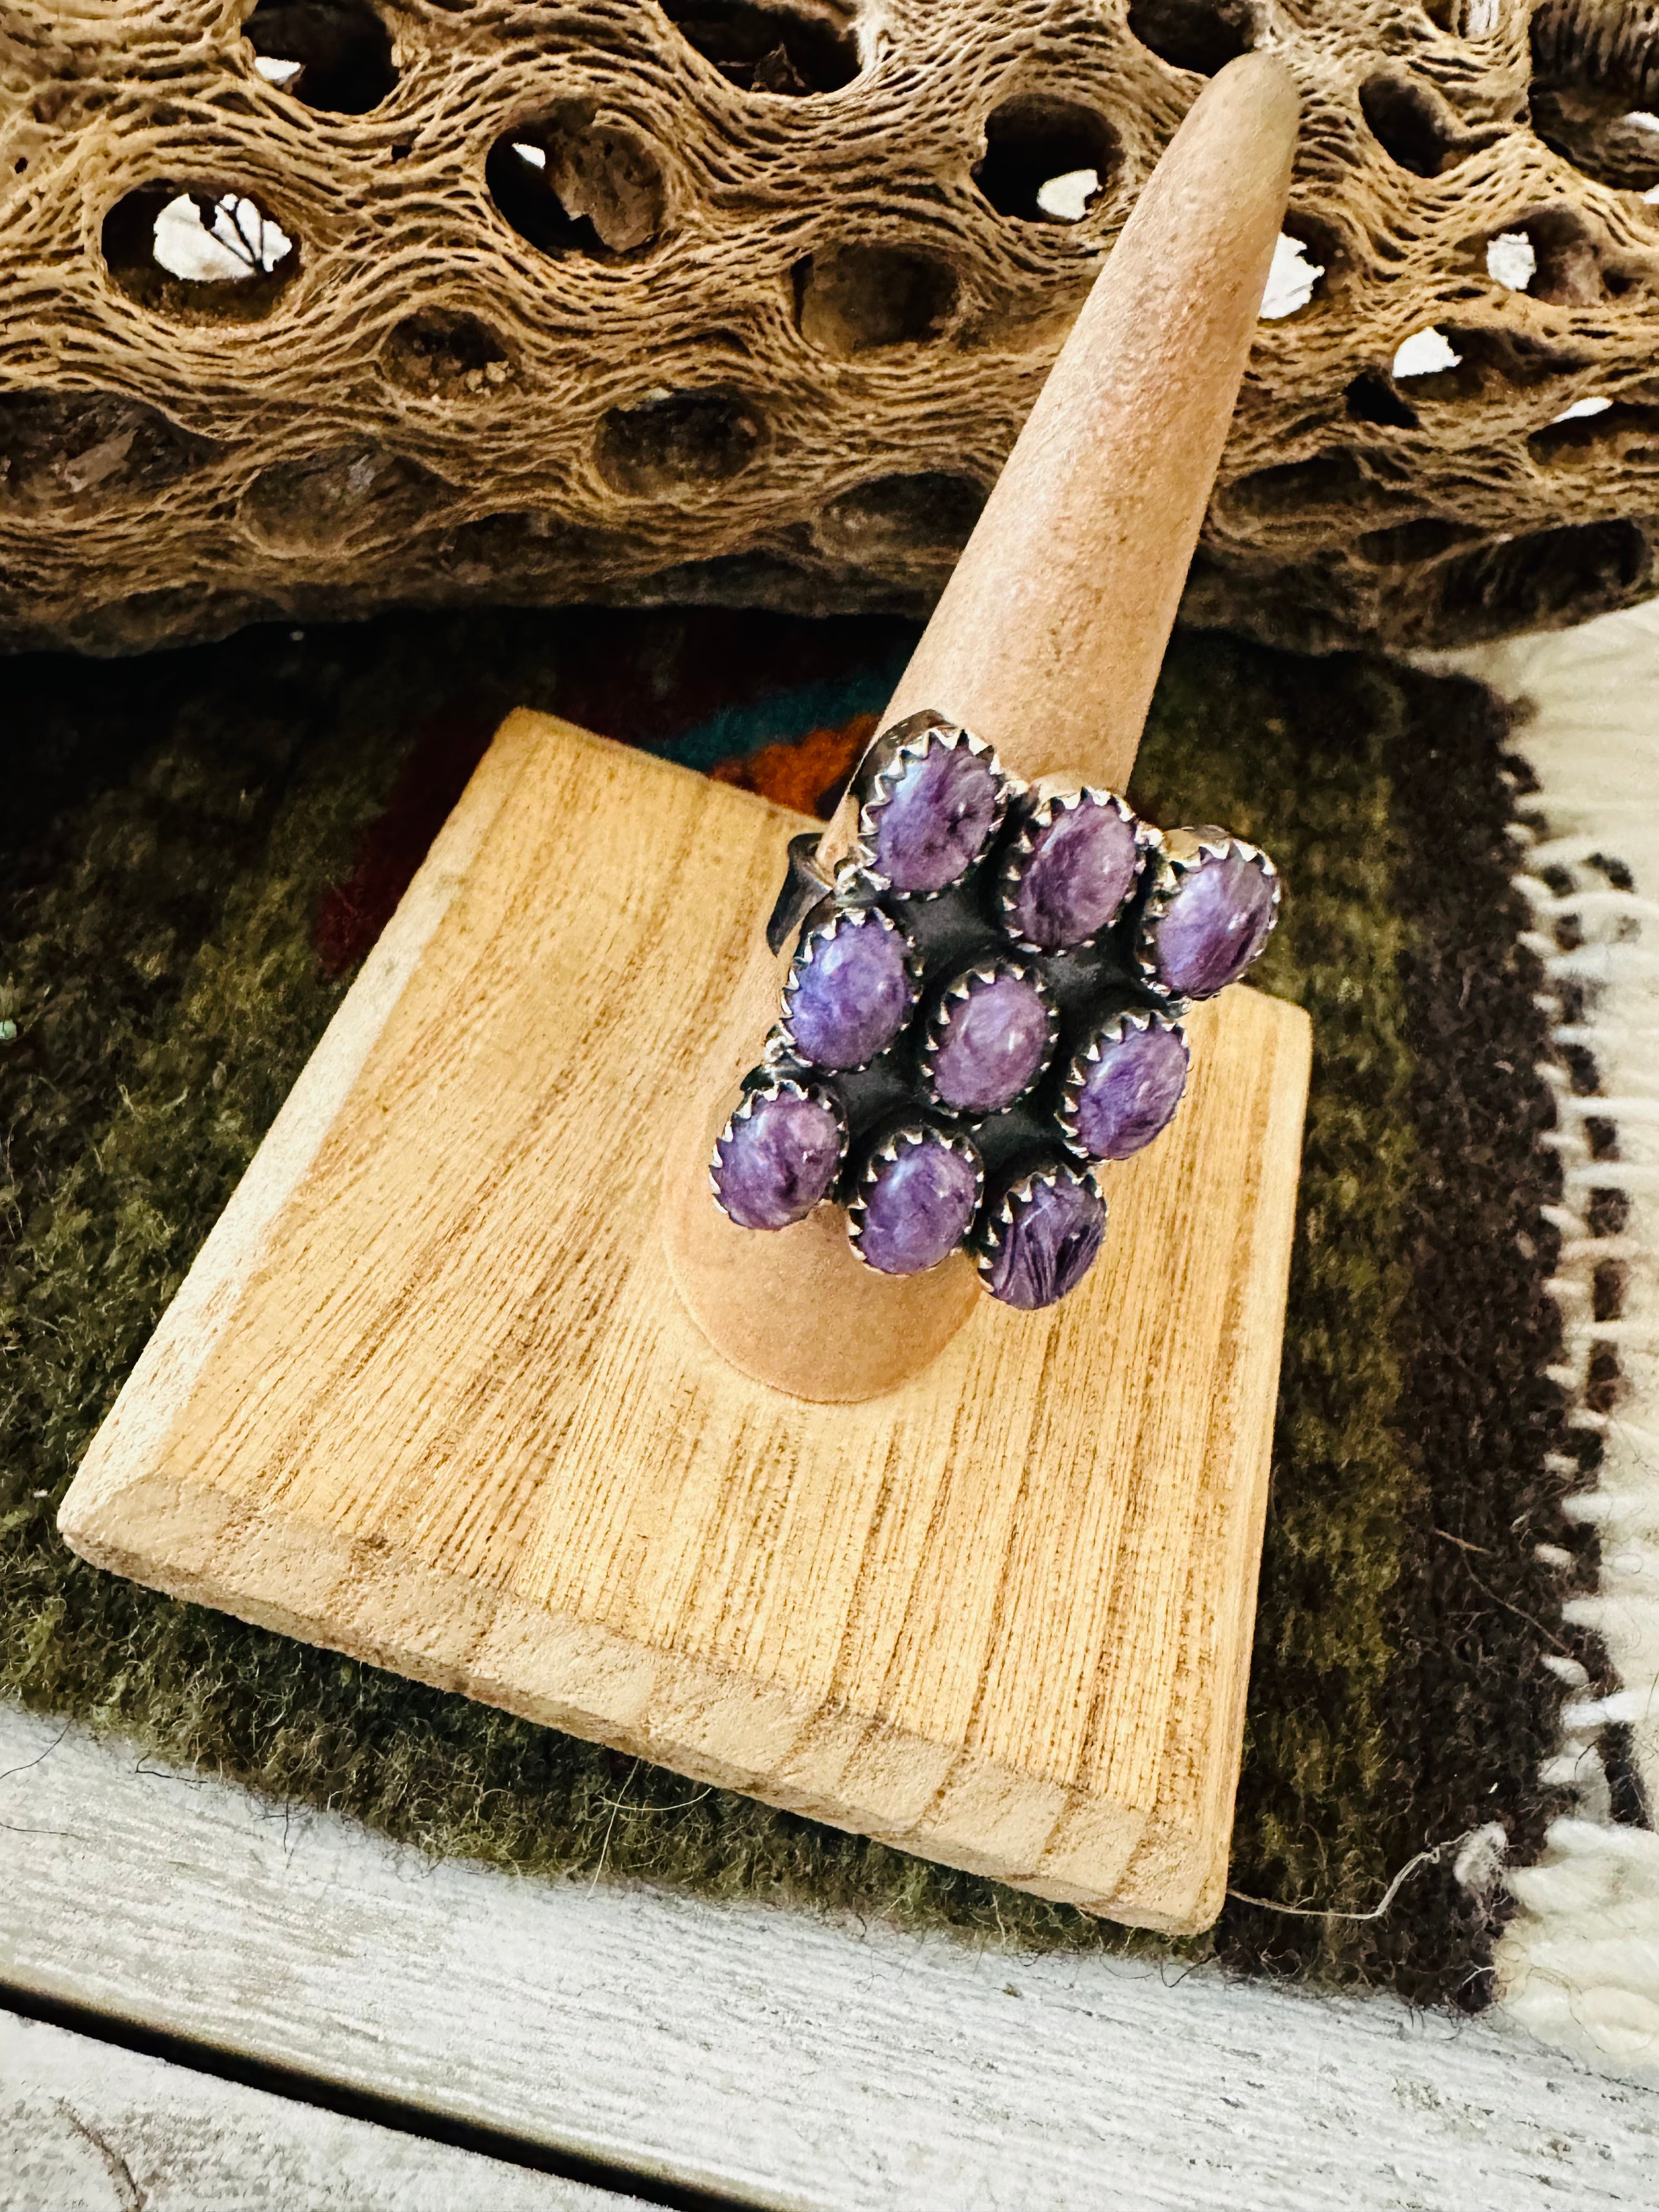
[[200, 847]]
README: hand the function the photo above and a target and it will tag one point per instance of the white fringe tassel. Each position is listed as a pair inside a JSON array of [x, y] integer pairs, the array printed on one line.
[[1578, 1966]]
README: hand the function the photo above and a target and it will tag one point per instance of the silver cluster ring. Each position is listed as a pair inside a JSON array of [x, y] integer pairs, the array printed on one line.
[[983, 1012]]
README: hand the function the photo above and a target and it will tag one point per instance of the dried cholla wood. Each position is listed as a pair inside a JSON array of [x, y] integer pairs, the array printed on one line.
[[636, 299]]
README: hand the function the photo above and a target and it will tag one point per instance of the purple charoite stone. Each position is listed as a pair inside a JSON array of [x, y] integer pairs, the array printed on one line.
[[934, 822], [850, 991], [918, 1207], [777, 1161], [1131, 1092], [995, 1044], [1218, 921], [1049, 1246], [1080, 869]]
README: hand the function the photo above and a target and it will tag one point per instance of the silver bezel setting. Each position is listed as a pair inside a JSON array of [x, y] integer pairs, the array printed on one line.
[[1112, 1029], [882, 770], [957, 992], [886, 1153], [778, 1086], [782, 1041], [1039, 811], [1186, 851], [994, 1222]]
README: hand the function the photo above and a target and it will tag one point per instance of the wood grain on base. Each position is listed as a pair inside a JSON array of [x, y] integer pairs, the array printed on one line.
[[428, 1395]]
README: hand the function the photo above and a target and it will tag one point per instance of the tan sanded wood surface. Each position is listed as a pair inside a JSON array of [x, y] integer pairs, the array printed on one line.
[[428, 1396]]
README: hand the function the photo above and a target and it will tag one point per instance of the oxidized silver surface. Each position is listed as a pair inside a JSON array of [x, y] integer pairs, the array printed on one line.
[[804, 885]]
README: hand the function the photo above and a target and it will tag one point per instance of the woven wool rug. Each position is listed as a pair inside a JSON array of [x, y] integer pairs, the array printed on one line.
[[202, 846], [1579, 1965]]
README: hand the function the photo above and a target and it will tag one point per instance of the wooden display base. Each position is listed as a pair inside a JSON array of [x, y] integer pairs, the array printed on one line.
[[429, 1397]]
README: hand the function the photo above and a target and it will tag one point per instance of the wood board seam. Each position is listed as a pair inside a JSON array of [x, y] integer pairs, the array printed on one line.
[[787, 2055]]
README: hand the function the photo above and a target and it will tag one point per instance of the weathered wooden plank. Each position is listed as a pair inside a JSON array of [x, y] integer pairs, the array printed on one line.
[[429, 1395], [85, 2125], [785, 2059]]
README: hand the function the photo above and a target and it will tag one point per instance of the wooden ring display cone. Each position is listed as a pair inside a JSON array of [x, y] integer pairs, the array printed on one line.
[[1046, 642], [427, 1394]]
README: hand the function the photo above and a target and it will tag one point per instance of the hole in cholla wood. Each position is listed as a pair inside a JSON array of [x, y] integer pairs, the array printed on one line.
[[220, 241], [1424, 353], [1416, 125], [1202, 36], [334, 55], [1033, 141], [896, 519], [1574, 264], [675, 441], [571, 183], [333, 501], [861, 297], [198, 250], [1371, 398], [1410, 545], [1291, 280], [1601, 433], [1595, 89], [1512, 260], [1565, 573], [793, 51], [441, 353], [70, 452]]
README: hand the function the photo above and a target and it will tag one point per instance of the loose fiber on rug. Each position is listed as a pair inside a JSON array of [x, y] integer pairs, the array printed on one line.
[[202, 845]]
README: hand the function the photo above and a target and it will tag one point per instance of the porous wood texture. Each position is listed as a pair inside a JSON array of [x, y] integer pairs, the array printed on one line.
[[759, 311], [428, 1396]]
